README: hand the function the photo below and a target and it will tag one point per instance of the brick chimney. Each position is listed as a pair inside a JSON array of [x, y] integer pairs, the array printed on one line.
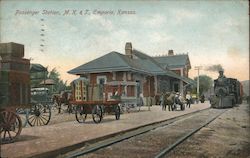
[[170, 52], [128, 49]]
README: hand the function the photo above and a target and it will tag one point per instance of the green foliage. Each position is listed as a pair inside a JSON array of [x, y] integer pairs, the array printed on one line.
[[37, 78], [206, 83], [60, 85]]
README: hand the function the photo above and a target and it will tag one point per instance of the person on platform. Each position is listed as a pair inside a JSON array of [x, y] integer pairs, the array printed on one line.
[[178, 99], [188, 99]]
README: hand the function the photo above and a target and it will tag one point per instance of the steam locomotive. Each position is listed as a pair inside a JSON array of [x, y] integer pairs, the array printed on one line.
[[228, 92]]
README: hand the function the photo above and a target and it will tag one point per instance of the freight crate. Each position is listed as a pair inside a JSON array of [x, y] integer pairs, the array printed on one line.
[[11, 50], [83, 91], [14, 76], [14, 95], [95, 92], [22, 65], [80, 89]]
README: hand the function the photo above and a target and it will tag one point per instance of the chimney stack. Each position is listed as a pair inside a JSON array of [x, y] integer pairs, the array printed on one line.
[[128, 50], [170, 52]]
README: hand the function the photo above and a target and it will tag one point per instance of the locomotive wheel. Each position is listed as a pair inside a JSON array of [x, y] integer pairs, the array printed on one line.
[[97, 114], [80, 114], [10, 126], [23, 113], [117, 112], [39, 115]]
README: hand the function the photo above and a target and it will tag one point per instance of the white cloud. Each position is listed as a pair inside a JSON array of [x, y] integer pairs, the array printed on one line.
[[228, 25], [100, 21], [181, 15], [155, 21], [157, 37], [70, 27]]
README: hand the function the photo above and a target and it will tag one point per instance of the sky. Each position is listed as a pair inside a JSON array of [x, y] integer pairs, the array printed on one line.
[[211, 32]]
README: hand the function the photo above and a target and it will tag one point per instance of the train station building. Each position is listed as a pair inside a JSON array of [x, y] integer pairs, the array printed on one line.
[[138, 73]]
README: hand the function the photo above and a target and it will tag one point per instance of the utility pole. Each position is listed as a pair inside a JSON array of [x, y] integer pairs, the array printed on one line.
[[198, 81]]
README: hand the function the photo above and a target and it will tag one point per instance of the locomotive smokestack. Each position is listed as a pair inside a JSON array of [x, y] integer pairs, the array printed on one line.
[[221, 73], [170, 52]]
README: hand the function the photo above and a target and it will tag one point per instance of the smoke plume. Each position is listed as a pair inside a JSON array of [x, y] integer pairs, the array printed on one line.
[[214, 68]]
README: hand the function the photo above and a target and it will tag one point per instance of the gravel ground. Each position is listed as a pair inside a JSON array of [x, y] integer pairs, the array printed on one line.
[[54, 138], [228, 136], [64, 116], [149, 144]]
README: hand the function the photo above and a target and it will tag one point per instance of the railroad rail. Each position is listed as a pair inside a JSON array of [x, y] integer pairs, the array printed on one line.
[[91, 148], [182, 139]]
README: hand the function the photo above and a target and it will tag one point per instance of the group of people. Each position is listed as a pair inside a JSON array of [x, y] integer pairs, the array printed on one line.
[[171, 99]]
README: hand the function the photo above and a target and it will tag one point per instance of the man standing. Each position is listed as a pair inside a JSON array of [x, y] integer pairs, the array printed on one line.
[[188, 98], [141, 101], [163, 102]]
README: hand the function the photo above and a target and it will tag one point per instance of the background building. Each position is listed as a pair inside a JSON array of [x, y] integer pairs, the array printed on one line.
[[136, 72]]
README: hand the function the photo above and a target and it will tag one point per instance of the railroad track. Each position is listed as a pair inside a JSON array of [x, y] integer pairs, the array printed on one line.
[[127, 139], [182, 139]]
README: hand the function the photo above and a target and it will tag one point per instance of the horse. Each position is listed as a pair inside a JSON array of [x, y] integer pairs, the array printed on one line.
[[170, 101], [63, 99], [167, 99]]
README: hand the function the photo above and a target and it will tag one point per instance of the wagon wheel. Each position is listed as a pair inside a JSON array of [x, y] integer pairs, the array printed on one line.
[[10, 126], [117, 110], [97, 114], [80, 114], [39, 115], [23, 113]]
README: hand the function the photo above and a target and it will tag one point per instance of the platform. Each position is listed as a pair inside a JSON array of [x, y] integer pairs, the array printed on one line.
[[45, 141]]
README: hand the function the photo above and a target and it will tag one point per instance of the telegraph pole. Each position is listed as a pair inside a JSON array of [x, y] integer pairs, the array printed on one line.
[[198, 81]]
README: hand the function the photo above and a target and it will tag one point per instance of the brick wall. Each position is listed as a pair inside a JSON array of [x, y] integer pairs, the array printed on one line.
[[148, 87], [152, 87], [130, 91], [93, 77], [119, 76]]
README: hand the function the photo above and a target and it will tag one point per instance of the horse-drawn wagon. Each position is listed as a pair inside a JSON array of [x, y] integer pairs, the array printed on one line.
[[40, 112], [93, 99]]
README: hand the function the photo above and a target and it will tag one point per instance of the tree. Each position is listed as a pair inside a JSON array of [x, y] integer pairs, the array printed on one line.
[[60, 85], [205, 83], [37, 77]]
